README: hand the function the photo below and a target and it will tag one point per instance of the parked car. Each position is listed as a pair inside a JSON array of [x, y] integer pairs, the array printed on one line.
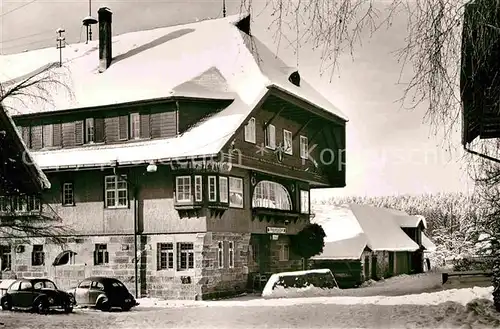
[[103, 293], [36, 294], [4, 285]]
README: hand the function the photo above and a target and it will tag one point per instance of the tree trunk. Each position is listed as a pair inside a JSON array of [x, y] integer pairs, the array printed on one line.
[[496, 266]]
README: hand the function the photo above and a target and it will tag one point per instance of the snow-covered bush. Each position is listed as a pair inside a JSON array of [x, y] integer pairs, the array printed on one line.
[[320, 279]]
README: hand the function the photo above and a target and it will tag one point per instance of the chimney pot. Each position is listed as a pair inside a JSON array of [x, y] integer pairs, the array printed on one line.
[[105, 54]]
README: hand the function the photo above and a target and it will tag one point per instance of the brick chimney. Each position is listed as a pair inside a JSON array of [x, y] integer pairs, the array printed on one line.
[[105, 55]]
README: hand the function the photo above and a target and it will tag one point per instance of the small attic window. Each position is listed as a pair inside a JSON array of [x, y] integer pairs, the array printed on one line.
[[244, 25], [295, 78]]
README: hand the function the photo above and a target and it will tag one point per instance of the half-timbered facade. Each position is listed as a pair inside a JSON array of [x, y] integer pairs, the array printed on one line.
[[181, 177]]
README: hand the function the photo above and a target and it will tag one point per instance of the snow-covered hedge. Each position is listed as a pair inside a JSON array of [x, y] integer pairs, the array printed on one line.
[[300, 283]]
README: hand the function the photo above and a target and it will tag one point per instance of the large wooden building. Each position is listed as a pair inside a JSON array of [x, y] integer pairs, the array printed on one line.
[[181, 158]]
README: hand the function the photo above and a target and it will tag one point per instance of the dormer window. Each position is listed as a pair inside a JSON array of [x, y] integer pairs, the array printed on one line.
[[250, 131], [270, 137]]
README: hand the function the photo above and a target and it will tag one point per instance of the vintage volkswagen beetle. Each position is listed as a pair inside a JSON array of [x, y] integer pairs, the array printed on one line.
[[103, 293], [36, 294]]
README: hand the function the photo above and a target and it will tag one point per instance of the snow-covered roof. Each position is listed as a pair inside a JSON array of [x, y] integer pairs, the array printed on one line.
[[411, 221], [38, 176], [348, 249], [207, 59], [427, 243], [382, 229], [352, 227]]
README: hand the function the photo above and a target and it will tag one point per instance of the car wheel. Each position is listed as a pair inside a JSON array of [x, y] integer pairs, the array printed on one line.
[[104, 306], [126, 308], [68, 309], [41, 306], [6, 304]]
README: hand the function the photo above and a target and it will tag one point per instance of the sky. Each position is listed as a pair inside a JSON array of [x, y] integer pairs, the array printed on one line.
[[389, 150]]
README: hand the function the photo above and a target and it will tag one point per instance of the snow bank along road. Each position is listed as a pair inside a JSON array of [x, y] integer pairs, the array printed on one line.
[[444, 309]]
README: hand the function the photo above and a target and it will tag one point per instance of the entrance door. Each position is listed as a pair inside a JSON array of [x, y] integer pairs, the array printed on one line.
[[264, 253], [367, 267], [374, 267], [391, 263]]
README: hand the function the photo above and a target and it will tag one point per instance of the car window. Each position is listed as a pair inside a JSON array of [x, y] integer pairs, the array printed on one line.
[[14, 286], [25, 285], [84, 284], [97, 285], [50, 285], [117, 284], [38, 285]]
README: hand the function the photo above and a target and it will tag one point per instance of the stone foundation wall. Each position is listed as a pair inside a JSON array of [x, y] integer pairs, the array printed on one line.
[[383, 270], [120, 266]]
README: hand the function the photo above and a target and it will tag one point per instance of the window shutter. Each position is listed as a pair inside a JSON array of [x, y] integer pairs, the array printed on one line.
[[99, 130], [26, 132], [145, 125], [158, 257], [106, 257], [95, 257], [57, 134], [36, 137], [123, 126], [79, 132]]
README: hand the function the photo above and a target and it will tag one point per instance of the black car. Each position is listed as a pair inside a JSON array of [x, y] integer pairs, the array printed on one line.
[[36, 294], [103, 293]]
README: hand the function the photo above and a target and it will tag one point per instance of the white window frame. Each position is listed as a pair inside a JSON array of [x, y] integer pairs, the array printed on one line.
[[135, 125], [68, 194], [288, 137], [236, 190], [180, 181], [198, 188], [284, 256], [270, 139], [189, 253], [230, 254], [250, 131], [304, 198], [223, 189], [272, 195], [304, 147], [220, 254], [115, 180], [89, 130], [212, 189], [167, 253]]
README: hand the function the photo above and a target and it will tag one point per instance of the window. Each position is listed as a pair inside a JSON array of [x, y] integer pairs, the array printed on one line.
[[185, 256], [18, 203], [33, 203], [287, 141], [212, 188], [304, 202], [235, 192], [25, 285], [272, 195], [37, 256], [183, 188], [220, 254], [135, 125], [47, 136], [304, 147], [67, 194], [97, 286], [84, 284], [116, 192], [5, 258], [198, 188], [165, 256], [231, 254], [123, 127], [89, 130], [271, 137], [250, 131], [284, 252], [101, 255], [223, 189]]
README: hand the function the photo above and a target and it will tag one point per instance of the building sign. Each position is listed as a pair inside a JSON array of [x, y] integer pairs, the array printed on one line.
[[276, 230], [214, 166]]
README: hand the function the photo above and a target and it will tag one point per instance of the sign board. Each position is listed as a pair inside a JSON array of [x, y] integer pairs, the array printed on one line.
[[276, 230], [275, 237]]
